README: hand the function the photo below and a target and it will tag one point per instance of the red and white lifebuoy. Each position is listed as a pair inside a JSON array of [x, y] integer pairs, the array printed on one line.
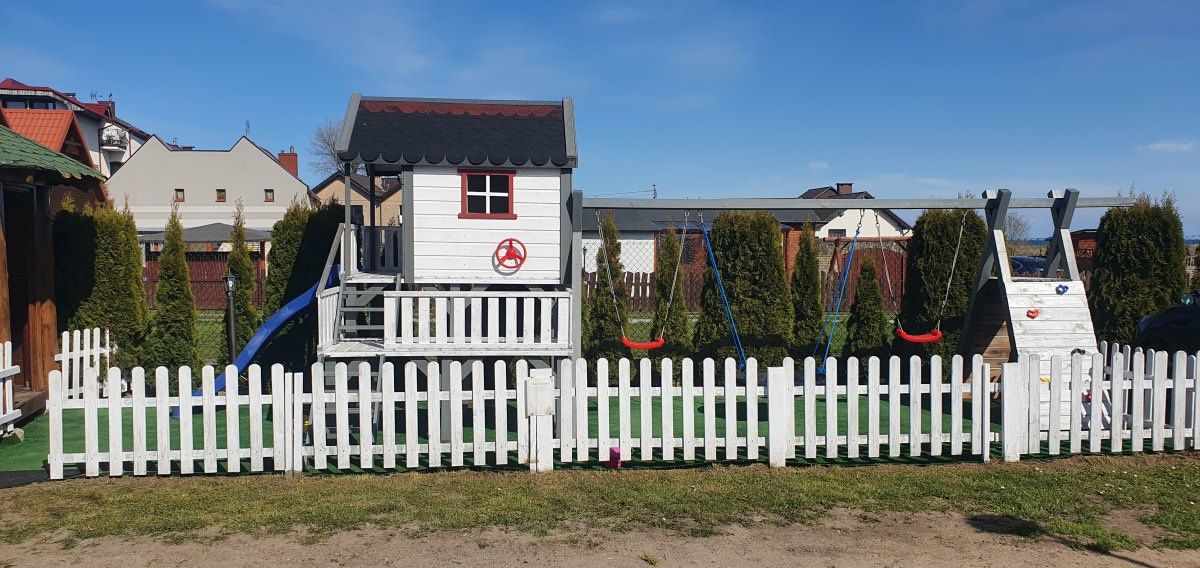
[[510, 254]]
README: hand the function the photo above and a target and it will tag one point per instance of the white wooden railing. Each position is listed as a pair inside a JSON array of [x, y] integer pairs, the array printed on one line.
[[441, 323], [79, 351], [327, 317], [8, 373], [386, 250]]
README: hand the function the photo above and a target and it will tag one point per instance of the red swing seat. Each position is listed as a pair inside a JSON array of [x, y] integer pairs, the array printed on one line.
[[647, 345], [931, 337]]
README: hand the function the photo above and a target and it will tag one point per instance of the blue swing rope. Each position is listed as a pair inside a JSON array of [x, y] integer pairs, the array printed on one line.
[[712, 259], [837, 307]]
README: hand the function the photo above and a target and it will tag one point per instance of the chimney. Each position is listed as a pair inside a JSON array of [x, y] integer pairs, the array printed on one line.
[[845, 188], [289, 161]]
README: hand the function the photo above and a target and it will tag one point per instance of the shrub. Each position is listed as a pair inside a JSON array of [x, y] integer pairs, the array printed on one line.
[[671, 320], [930, 255], [749, 253], [606, 319], [300, 243], [806, 293], [98, 277], [869, 328], [172, 340], [1140, 266], [246, 317]]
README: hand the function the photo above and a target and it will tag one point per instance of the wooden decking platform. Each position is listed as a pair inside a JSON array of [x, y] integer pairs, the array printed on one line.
[[368, 348]]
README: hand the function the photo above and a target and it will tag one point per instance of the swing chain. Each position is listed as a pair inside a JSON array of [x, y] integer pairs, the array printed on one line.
[[953, 263], [675, 278], [612, 288]]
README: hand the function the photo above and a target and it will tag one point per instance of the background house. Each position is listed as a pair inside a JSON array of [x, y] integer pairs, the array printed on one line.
[[206, 184], [388, 196], [110, 140], [28, 316]]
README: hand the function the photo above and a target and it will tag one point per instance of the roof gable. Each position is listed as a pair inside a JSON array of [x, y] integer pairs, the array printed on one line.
[[407, 131], [18, 152], [54, 129]]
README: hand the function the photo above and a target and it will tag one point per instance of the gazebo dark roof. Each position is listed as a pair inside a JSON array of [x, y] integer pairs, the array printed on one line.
[[210, 233], [445, 132]]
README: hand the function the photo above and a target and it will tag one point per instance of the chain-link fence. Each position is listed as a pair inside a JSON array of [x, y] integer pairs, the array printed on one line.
[[639, 255], [206, 271]]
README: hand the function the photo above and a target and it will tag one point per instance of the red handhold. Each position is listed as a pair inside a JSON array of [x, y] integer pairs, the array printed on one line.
[[1033, 313]]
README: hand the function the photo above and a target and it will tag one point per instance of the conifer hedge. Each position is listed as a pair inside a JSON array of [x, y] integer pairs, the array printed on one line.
[[806, 293], [930, 254], [242, 269], [748, 248], [300, 243], [869, 328], [671, 320], [98, 277], [606, 320], [1140, 269], [172, 339]]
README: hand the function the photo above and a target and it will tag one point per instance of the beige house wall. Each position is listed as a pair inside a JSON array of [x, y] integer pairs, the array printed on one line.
[[387, 212]]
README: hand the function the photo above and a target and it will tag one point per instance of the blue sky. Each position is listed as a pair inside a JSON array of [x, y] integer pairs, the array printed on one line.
[[905, 99]]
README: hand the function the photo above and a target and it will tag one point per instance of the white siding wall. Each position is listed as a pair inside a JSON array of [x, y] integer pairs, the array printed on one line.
[[637, 251], [848, 221], [450, 250]]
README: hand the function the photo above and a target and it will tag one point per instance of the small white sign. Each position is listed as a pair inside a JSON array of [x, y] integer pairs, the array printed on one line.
[[539, 393]]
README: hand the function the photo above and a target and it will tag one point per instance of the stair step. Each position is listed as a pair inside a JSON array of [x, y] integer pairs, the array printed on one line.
[[353, 327], [363, 309]]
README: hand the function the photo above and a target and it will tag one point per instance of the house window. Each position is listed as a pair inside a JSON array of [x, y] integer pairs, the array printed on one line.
[[220, 196], [178, 196], [356, 214], [837, 233], [43, 105], [487, 194], [15, 104], [269, 195]]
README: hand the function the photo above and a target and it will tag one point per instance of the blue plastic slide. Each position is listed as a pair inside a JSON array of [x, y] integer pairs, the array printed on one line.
[[267, 329]]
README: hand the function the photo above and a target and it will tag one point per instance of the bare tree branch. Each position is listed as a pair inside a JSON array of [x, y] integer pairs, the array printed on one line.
[[322, 148]]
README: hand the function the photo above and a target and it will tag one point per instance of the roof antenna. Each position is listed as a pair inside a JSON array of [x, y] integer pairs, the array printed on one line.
[[653, 191], [246, 133]]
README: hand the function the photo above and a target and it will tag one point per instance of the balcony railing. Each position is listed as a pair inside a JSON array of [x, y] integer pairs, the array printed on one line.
[[438, 322]]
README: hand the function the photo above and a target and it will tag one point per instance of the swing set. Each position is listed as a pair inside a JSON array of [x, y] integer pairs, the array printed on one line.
[[660, 340]]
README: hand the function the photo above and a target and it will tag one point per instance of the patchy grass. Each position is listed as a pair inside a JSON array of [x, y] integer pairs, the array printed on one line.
[[1068, 499]]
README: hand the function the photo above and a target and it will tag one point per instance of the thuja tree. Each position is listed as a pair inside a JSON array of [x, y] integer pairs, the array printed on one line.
[[1140, 268], [300, 244], [172, 339], [670, 305], [806, 293], [749, 252], [242, 270], [98, 280], [869, 328], [610, 303], [930, 260]]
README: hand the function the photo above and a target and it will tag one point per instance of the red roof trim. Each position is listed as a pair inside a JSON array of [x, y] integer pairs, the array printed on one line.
[[11, 83], [452, 108]]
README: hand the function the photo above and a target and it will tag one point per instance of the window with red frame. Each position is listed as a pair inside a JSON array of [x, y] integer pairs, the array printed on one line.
[[487, 195]]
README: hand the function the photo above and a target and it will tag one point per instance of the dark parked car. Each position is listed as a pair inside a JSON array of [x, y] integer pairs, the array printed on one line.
[[1027, 265], [1176, 329]]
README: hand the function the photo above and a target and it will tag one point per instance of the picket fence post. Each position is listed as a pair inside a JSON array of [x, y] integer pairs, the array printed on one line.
[[1013, 398], [539, 410], [781, 416]]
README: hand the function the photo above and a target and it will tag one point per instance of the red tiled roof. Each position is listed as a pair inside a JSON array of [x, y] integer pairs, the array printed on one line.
[[54, 129], [93, 108]]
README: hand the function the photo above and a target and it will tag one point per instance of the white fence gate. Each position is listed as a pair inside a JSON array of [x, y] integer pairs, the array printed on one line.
[[79, 351], [8, 372]]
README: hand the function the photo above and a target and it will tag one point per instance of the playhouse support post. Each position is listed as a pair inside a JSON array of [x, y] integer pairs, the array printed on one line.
[[372, 250], [576, 268], [347, 237], [406, 226], [1014, 398], [539, 410], [781, 416]]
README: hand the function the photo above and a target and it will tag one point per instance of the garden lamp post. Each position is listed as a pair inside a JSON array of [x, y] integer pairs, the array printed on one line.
[[230, 326]]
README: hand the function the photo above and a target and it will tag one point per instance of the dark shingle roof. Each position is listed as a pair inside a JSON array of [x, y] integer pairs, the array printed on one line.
[[459, 132], [210, 233], [659, 219]]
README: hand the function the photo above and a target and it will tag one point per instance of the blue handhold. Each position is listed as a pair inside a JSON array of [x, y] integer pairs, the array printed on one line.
[[1062, 289]]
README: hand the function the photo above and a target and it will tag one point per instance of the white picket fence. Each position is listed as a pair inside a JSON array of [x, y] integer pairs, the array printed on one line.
[[79, 351], [8, 372], [1131, 401], [139, 428]]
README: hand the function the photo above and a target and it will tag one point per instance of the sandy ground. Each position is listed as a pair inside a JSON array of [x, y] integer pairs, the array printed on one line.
[[846, 538]]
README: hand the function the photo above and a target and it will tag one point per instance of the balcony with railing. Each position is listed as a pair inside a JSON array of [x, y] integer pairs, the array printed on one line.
[[114, 139]]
